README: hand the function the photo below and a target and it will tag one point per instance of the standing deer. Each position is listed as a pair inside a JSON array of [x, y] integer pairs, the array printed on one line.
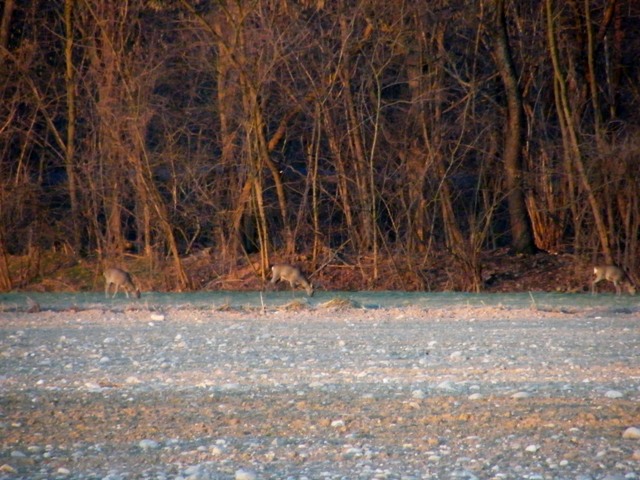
[[119, 278], [613, 274], [291, 274]]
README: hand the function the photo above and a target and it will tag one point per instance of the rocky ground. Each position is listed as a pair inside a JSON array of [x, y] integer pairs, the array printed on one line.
[[321, 393]]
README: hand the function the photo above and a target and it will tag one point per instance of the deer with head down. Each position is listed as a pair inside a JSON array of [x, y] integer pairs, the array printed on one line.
[[291, 274], [119, 278], [612, 274]]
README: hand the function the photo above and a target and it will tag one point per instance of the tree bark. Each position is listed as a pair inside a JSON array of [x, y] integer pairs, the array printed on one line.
[[69, 154], [5, 22], [565, 114], [521, 231], [5, 277]]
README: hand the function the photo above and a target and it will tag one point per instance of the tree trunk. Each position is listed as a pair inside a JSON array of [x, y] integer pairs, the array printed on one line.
[[69, 154], [565, 112], [521, 231], [5, 277], [5, 22]]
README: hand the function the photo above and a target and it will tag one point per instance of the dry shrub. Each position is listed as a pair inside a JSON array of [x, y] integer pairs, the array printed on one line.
[[295, 305], [339, 304]]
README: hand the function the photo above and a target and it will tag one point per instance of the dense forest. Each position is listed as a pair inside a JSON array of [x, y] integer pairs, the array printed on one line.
[[377, 132]]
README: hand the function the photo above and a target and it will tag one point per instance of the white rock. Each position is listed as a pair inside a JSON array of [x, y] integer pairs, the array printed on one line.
[[520, 395], [63, 471], [632, 433], [158, 317], [148, 444], [475, 396], [419, 394], [193, 471], [613, 394], [113, 476], [446, 385], [231, 386], [532, 448], [466, 474], [243, 474], [93, 387], [353, 452], [337, 423], [456, 355], [215, 451], [6, 468]]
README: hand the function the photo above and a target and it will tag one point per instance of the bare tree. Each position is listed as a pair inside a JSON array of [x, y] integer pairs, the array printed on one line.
[[522, 236], [374, 132], [566, 117]]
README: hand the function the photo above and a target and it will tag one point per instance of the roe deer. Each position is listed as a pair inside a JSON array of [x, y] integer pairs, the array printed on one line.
[[292, 275], [613, 274], [119, 278]]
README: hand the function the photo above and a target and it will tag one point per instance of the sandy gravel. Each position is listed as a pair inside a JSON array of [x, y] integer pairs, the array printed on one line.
[[487, 393]]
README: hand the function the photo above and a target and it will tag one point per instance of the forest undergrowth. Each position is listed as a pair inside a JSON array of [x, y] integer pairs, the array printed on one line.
[[501, 272]]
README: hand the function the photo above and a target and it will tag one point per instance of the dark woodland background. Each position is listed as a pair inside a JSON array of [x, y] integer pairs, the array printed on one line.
[[376, 143]]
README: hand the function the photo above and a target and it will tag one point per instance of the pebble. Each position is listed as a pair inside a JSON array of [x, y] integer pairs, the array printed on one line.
[[632, 433], [243, 474], [253, 362], [113, 476], [418, 394], [447, 385], [147, 444], [215, 451], [93, 387], [457, 355], [228, 387], [193, 471], [614, 394]]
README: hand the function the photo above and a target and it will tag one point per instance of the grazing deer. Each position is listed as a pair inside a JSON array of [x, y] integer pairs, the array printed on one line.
[[292, 275], [119, 278], [613, 274]]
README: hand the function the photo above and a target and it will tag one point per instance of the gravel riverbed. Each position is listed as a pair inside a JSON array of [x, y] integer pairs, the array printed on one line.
[[320, 393]]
